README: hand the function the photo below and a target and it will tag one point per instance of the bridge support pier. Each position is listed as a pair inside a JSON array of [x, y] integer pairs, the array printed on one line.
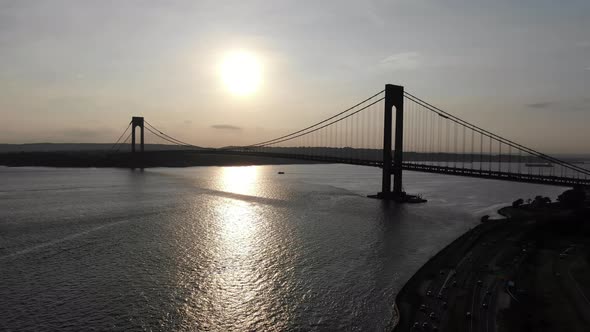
[[392, 162], [394, 97], [137, 121]]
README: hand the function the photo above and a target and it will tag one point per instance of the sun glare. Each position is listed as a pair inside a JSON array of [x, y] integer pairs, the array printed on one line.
[[241, 73]]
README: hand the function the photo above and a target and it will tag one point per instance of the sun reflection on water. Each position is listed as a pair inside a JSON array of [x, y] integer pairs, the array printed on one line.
[[239, 180], [238, 277], [239, 281], [238, 219]]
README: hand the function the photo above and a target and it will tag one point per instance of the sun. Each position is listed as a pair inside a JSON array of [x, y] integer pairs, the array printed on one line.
[[241, 73]]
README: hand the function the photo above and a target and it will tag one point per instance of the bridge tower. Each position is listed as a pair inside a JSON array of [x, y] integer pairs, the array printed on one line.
[[392, 165], [137, 121]]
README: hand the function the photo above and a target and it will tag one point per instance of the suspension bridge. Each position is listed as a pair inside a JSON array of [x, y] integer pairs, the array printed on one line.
[[396, 131]]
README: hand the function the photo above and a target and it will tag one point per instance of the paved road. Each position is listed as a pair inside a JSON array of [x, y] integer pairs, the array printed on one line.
[[474, 280]]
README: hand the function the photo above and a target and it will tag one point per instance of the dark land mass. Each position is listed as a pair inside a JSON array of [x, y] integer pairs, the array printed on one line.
[[147, 159], [101, 155], [80, 147], [527, 272], [342, 152]]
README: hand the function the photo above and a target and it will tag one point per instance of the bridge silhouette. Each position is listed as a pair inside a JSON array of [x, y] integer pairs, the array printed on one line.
[[397, 131]]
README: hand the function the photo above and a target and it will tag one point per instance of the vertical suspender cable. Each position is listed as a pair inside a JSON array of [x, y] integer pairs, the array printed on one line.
[[500, 156], [490, 156]]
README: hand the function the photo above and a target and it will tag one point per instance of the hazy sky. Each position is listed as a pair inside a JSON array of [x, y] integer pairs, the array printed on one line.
[[76, 71]]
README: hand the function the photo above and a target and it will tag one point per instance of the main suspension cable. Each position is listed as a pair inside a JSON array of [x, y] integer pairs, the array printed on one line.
[[316, 124], [492, 135], [170, 138], [123, 134], [324, 126]]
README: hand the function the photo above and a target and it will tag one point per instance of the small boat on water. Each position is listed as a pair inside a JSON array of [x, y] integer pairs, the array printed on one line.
[[281, 172], [538, 165], [415, 199]]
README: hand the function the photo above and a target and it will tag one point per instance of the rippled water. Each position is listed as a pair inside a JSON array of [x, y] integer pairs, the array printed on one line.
[[222, 248]]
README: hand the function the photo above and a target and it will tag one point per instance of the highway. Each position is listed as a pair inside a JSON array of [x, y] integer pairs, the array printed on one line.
[[463, 296]]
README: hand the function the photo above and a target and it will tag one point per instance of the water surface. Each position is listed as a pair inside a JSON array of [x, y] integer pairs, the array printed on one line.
[[222, 248]]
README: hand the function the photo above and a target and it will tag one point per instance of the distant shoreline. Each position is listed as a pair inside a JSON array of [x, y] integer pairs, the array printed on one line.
[[148, 159], [342, 151]]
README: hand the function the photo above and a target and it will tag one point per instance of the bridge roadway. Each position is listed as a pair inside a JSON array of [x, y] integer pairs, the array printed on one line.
[[475, 173]]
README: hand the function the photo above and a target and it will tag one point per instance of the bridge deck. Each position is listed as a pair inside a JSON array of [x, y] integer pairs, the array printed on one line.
[[476, 173]]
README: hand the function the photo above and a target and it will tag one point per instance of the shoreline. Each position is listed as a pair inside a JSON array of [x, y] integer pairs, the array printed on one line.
[[149, 159], [467, 239], [499, 274]]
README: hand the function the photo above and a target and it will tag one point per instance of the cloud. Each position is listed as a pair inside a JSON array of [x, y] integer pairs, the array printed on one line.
[[576, 104], [402, 61], [587, 68], [581, 105], [541, 105], [583, 44], [225, 127]]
